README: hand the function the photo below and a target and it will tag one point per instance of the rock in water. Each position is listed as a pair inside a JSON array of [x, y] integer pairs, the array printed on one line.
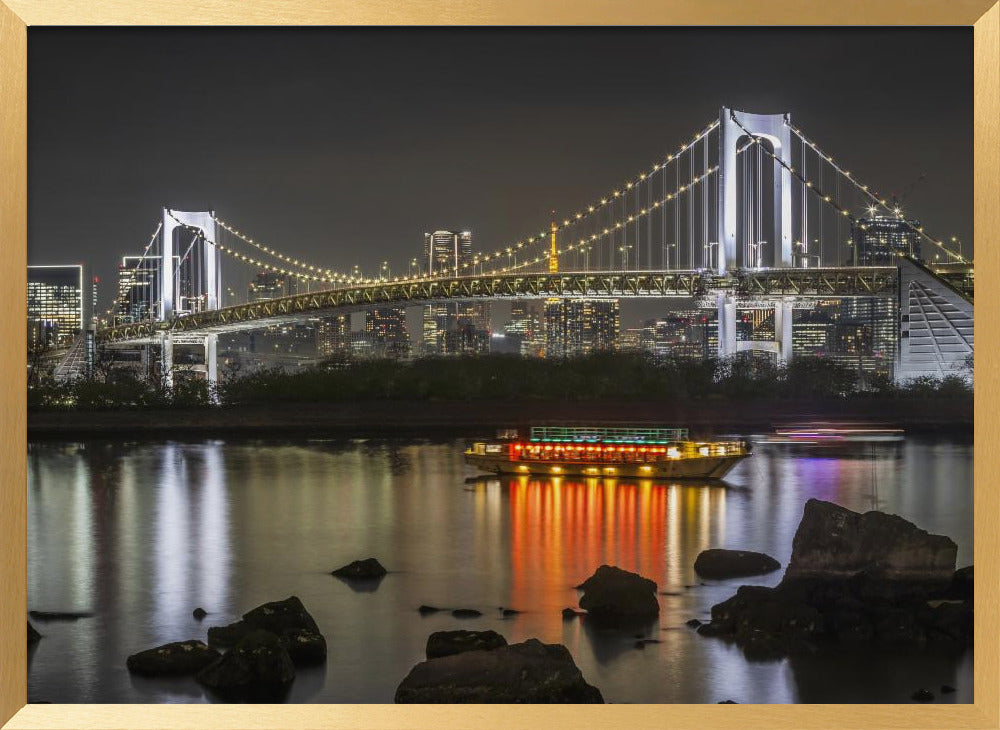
[[258, 668], [719, 564], [834, 542], [466, 613], [425, 609], [176, 659], [569, 613], [33, 636], [446, 643], [287, 619], [530, 672], [613, 595], [199, 613], [361, 570]]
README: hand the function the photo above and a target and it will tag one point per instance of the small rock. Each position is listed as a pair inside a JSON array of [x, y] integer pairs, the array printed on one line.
[[446, 643], [305, 647], [59, 615], [199, 613], [727, 702], [510, 612], [361, 570], [947, 689], [719, 564], [176, 659], [257, 668], [288, 620], [693, 623], [33, 636], [613, 595], [568, 613], [466, 613], [529, 672], [424, 610], [923, 695]]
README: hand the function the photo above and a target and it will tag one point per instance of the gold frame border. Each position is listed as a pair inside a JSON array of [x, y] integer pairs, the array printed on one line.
[[16, 15]]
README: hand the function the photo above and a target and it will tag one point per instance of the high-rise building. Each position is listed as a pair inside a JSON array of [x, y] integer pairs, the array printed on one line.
[[525, 329], [270, 285], [333, 335], [879, 240], [385, 328], [448, 253], [580, 326], [60, 304], [138, 289]]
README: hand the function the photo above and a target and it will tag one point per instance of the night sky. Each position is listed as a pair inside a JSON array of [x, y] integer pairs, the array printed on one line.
[[344, 145]]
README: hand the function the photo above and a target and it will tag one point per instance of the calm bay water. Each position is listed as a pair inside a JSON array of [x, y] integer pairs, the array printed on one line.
[[142, 533]]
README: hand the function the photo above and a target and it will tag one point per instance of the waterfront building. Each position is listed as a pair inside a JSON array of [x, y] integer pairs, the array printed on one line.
[[138, 289], [525, 329], [60, 304], [576, 327], [880, 239]]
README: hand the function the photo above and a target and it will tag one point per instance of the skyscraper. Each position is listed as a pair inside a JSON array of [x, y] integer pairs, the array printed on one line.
[[333, 335], [452, 328], [138, 289], [60, 304], [879, 240], [576, 327], [385, 328], [269, 285]]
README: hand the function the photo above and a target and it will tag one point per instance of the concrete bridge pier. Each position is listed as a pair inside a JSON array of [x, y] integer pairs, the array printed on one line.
[[726, 306], [167, 359], [211, 366]]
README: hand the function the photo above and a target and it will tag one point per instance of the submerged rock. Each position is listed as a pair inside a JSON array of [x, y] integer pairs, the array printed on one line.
[[199, 613], [568, 613], [424, 609], [361, 570], [466, 613], [719, 564], [33, 636], [258, 668], [530, 672], [923, 695], [446, 643], [613, 595], [176, 659], [59, 615]]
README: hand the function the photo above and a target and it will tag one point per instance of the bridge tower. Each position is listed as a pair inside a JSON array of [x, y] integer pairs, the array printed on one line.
[[734, 128], [190, 280]]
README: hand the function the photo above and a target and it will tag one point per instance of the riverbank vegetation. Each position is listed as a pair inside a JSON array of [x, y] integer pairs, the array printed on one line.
[[603, 376]]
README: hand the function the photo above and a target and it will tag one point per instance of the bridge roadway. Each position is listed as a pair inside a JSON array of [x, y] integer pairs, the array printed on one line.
[[776, 283]]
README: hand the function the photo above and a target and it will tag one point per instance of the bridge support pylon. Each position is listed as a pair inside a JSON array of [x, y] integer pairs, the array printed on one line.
[[211, 367], [167, 359], [726, 307]]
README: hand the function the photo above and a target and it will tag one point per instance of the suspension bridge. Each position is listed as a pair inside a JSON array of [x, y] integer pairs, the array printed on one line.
[[747, 213]]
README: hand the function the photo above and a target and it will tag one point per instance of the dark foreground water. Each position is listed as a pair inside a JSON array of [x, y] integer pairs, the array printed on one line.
[[142, 533]]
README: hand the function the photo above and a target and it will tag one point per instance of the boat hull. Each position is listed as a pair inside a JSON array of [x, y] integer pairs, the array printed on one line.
[[704, 467]]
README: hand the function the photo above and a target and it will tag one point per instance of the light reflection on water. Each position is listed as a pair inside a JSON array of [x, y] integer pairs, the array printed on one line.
[[141, 534]]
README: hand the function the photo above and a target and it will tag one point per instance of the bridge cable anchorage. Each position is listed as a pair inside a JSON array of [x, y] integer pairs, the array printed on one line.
[[876, 199], [121, 294]]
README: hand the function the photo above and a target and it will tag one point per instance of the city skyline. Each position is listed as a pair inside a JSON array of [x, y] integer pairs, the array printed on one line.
[[501, 109]]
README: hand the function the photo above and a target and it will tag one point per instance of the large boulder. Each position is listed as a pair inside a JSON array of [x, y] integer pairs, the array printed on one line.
[[288, 620], [835, 542], [176, 659], [718, 564], [613, 595], [258, 668], [366, 569], [33, 636], [530, 672], [851, 581], [446, 643]]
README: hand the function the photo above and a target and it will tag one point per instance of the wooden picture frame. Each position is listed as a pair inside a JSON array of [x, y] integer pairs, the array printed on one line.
[[16, 15]]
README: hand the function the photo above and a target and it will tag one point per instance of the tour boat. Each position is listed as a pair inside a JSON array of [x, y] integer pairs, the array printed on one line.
[[652, 453]]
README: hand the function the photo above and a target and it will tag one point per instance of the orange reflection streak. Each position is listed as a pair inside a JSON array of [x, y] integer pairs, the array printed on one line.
[[562, 530]]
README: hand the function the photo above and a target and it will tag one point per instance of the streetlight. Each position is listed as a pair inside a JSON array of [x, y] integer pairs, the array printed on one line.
[[958, 241], [386, 273], [624, 251], [666, 252], [708, 246], [414, 267]]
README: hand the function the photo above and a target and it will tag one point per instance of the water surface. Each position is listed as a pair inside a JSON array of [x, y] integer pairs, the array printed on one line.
[[142, 533]]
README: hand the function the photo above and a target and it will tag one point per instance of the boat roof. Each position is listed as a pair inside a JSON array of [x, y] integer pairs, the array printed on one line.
[[602, 434]]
